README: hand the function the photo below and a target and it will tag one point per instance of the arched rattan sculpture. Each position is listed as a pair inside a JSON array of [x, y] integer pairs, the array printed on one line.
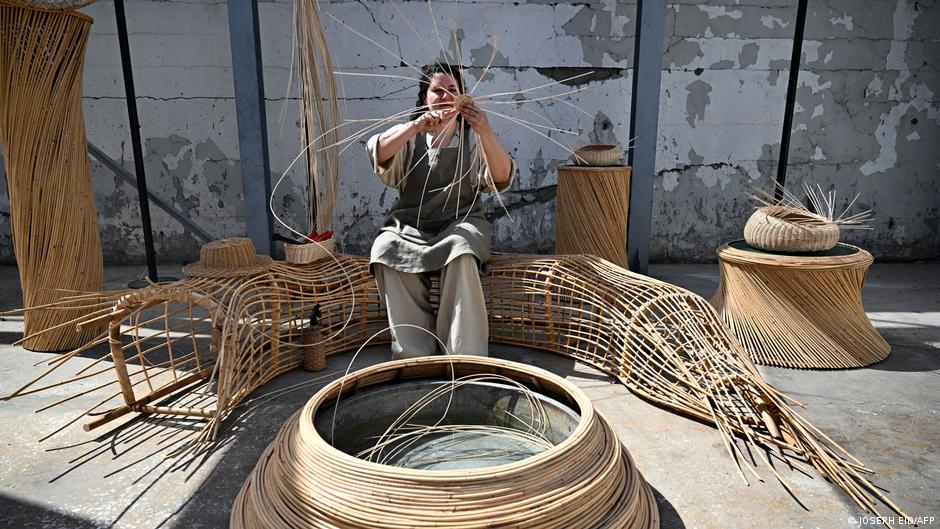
[[662, 342]]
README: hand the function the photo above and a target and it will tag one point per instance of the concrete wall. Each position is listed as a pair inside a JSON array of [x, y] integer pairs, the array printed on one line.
[[867, 114]]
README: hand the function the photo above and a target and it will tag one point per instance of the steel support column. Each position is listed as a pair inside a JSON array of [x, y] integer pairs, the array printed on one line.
[[252, 121], [644, 128]]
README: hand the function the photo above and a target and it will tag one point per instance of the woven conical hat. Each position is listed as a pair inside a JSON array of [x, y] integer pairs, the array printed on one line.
[[228, 258]]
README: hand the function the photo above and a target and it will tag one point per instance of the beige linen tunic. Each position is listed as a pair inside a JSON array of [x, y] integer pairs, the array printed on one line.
[[423, 235]]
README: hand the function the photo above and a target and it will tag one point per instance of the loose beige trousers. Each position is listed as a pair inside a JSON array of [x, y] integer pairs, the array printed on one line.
[[461, 322]]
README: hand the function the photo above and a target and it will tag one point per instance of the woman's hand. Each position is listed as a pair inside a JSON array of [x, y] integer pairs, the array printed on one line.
[[476, 117], [433, 119]]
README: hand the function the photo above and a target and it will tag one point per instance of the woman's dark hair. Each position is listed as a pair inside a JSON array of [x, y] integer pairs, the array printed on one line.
[[424, 83]]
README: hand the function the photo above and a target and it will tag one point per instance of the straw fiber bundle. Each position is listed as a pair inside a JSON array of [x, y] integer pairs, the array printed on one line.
[[664, 343], [588, 481], [786, 229], [801, 311], [55, 231], [592, 208]]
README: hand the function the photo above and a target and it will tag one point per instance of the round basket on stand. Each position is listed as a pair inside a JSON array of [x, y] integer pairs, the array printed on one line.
[[308, 253], [787, 229]]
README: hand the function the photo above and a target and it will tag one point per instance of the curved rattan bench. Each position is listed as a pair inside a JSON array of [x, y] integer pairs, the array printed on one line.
[[664, 343]]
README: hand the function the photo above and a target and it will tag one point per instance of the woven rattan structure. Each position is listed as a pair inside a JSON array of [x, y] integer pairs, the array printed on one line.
[[801, 311], [592, 208], [664, 343], [55, 232], [597, 155], [588, 481], [786, 229]]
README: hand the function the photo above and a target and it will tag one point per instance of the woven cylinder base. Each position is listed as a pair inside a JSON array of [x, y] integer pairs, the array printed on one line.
[[591, 215], [54, 224], [799, 311], [588, 481], [785, 229]]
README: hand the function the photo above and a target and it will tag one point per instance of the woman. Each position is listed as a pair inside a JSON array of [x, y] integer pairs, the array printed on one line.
[[438, 223]]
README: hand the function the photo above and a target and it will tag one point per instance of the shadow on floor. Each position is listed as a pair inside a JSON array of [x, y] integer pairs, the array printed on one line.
[[25, 515]]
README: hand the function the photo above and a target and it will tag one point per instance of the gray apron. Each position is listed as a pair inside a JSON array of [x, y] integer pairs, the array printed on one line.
[[424, 235]]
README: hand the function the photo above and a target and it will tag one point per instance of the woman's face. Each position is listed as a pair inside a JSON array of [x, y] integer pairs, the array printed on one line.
[[441, 92]]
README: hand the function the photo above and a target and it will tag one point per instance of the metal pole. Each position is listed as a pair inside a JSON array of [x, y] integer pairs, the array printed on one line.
[[644, 125], [252, 121], [135, 138], [791, 98]]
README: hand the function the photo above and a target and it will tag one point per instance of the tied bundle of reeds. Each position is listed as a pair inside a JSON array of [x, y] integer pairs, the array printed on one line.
[[54, 224]]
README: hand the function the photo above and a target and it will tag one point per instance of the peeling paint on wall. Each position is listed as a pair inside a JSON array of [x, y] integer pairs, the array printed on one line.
[[867, 113]]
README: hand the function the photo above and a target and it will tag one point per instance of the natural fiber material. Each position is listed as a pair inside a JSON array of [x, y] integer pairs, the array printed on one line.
[[55, 230], [320, 114], [597, 155], [588, 481], [664, 343], [786, 229], [799, 311], [228, 258], [48, 4], [591, 215], [307, 253]]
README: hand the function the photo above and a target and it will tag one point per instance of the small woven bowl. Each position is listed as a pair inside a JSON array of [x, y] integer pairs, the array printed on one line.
[[597, 155], [308, 253], [783, 229]]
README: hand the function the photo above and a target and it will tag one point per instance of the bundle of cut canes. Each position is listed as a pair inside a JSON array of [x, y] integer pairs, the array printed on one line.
[[664, 343]]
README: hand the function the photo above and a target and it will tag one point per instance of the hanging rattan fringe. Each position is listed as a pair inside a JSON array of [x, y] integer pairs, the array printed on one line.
[[664, 343], [588, 481], [319, 114], [55, 230], [802, 312], [591, 215], [786, 229]]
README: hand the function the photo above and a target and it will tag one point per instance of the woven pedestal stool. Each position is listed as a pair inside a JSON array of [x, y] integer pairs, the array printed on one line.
[[592, 212], [798, 310]]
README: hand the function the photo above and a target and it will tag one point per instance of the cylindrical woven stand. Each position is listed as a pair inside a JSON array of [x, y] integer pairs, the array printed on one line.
[[592, 208], [802, 311], [55, 230]]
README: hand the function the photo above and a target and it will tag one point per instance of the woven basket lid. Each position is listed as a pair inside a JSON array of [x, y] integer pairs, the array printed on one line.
[[786, 229], [52, 5], [228, 258]]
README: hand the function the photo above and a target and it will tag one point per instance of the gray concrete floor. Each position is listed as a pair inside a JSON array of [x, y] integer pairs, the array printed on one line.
[[886, 415]]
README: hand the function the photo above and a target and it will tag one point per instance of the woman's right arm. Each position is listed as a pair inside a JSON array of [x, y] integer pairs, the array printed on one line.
[[393, 140]]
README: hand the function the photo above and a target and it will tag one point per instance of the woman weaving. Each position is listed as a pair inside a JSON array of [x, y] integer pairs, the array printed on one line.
[[438, 222]]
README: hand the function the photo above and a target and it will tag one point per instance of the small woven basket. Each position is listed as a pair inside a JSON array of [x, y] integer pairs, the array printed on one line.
[[597, 155], [786, 229], [308, 253]]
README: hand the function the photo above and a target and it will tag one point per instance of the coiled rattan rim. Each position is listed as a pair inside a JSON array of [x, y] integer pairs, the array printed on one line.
[[587, 481]]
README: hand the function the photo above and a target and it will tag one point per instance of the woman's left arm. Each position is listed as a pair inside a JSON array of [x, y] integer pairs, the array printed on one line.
[[497, 161]]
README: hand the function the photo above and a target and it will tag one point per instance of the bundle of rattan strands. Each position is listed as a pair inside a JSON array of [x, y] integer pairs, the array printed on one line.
[[787, 229], [592, 210], [586, 481]]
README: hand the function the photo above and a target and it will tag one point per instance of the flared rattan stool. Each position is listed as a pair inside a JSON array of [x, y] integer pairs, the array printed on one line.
[[798, 310]]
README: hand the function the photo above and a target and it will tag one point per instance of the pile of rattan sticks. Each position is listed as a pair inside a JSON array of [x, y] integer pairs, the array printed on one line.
[[586, 482]]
